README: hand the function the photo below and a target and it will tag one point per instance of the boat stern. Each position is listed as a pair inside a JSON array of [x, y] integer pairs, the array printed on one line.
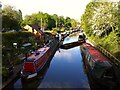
[[28, 70]]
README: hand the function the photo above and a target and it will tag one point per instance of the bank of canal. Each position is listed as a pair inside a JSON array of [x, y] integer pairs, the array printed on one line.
[[65, 70]]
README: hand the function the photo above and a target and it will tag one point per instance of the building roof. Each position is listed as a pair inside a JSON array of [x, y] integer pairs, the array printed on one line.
[[38, 28]]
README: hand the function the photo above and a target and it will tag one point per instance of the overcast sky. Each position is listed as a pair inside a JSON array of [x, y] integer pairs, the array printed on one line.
[[71, 8]]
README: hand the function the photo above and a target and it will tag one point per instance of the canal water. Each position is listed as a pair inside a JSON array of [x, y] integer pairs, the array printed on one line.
[[64, 70]]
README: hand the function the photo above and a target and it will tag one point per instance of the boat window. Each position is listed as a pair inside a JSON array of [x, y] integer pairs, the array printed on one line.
[[91, 62], [108, 74], [88, 57], [99, 69], [84, 48], [37, 53], [80, 36], [41, 49]]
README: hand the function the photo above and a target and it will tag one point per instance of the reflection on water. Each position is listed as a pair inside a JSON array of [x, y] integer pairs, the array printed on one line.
[[70, 39], [65, 70], [33, 84]]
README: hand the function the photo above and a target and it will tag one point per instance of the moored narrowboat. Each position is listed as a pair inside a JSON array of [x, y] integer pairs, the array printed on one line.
[[35, 62], [99, 67], [81, 39], [70, 45]]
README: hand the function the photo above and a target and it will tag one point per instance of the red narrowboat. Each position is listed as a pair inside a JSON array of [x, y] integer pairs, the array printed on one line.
[[34, 63], [98, 66]]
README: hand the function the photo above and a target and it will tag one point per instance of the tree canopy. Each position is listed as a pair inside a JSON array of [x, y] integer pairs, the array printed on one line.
[[47, 21], [100, 18], [11, 18], [101, 22]]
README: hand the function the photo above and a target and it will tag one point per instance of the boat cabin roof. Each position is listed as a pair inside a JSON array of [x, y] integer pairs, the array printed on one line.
[[97, 55], [38, 54], [30, 59]]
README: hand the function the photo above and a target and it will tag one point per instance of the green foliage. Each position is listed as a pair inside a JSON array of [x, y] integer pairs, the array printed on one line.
[[11, 18], [9, 52], [11, 37], [47, 22], [110, 43], [1, 70], [17, 61], [73, 23], [100, 18], [101, 23], [4, 72], [55, 30]]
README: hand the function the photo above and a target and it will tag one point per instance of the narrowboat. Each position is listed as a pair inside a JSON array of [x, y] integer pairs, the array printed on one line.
[[35, 62], [81, 38], [70, 45], [99, 67]]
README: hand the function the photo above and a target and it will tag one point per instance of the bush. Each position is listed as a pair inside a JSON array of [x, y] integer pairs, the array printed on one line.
[[5, 72], [0, 70], [10, 53], [17, 61]]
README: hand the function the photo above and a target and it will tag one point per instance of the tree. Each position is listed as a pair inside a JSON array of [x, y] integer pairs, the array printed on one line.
[[74, 23], [51, 22], [0, 16], [68, 23], [99, 18], [48, 22], [11, 18], [101, 22]]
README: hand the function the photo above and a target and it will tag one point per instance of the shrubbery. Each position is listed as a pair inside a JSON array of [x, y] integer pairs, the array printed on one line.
[[5, 72], [10, 53]]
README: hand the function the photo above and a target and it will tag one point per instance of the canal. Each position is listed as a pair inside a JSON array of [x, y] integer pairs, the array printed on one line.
[[64, 70]]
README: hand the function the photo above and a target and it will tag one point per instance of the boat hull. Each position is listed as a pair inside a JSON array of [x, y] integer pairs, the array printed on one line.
[[99, 72]]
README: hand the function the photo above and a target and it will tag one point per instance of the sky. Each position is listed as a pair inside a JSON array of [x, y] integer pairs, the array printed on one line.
[[71, 8]]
